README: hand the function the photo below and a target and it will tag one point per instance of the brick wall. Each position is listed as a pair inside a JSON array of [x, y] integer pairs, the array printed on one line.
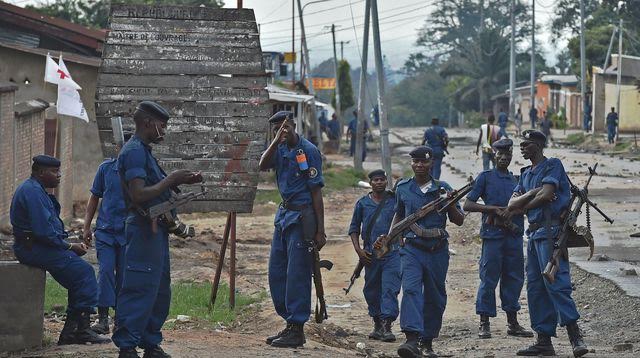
[[29, 142], [7, 98]]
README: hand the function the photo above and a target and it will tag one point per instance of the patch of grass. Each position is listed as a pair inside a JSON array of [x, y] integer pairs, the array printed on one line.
[[339, 177], [622, 146], [575, 138], [265, 196], [187, 298]]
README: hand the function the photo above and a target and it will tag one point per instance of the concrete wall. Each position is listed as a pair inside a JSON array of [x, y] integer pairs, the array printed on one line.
[[605, 96], [19, 66], [21, 306]]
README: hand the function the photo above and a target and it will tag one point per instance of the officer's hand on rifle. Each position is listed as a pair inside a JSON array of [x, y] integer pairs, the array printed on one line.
[[320, 240], [378, 244], [184, 176], [364, 256], [87, 236], [79, 249]]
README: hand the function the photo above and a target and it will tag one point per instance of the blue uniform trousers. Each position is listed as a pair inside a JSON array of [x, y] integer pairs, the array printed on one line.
[[549, 304], [424, 295], [382, 286], [290, 268], [503, 131], [111, 265], [436, 169], [502, 260], [611, 133], [144, 299], [352, 147], [72, 272]]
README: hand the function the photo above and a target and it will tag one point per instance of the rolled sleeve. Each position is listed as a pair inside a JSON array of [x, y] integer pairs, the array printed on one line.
[[478, 188], [97, 188], [133, 164], [356, 220], [554, 174], [316, 180]]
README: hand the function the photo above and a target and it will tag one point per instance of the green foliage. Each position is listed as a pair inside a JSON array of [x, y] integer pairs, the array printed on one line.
[[95, 13], [338, 177], [559, 119], [54, 295], [267, 195], [345, 86], [575, 138], [622, 146], [474, 119]]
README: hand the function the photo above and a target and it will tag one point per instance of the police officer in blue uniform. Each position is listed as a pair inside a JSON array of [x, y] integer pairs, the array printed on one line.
[[612, 125], [145, 295], [109, 235], [502, 255], [371, 218], [299, 225], [543, 193], [437, 139], [424, 257], [40, 241]]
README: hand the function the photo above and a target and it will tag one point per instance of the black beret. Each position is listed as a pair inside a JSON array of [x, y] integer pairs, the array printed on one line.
[[154, 110], [281, 116], [532, 135], [46, 161], [504, 143], [421, 152], [377, 173]]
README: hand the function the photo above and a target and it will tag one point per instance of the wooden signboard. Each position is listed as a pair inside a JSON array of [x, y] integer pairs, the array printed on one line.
[[204, 66]]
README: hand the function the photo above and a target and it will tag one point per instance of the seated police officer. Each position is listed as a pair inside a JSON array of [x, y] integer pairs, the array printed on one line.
[[41, 242]]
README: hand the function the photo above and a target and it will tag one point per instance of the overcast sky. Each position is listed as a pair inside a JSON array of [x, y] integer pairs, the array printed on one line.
[[399, 24]]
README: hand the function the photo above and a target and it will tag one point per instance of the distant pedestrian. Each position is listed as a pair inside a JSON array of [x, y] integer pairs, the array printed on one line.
[[518, 122], [612, 125], [533, 116], [489, 133], [545, 128], [436, 138], [587, 118], [333, 128], [503, 120], [351, 135]]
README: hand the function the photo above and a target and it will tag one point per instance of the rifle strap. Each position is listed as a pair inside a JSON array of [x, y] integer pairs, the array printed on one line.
[[376, 214]]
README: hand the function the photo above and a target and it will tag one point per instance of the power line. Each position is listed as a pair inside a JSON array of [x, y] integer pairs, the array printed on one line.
[[277, 8], [309, 13]]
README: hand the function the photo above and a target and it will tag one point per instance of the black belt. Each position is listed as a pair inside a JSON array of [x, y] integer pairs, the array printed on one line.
[[293, 207], [419, 244], [535, 226]]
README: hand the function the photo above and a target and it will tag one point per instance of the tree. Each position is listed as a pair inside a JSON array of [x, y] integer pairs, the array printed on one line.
[[563, 66], [345, 86]]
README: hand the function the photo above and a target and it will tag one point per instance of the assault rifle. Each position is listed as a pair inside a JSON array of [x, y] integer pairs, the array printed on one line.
[[354, 276], [162, 212], [321, 306], [570, 234], [440, 205]]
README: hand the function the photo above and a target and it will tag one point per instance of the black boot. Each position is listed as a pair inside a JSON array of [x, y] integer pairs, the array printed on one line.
[[578, 345], [542, 347], [279, 334], [293, 338], [387, 335], [128, 353], [426, 348], [409, 349], [102, 326], [484, 331], [514, 328], [68, 334], [84, 334], [155, 352], [377, 329]]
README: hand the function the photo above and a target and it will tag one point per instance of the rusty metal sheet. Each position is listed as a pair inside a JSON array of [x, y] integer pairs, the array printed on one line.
[[205, 67]]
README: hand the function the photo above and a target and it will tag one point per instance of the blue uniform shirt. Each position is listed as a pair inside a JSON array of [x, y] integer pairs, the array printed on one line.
[[549, 171], [106, 185], [409, 198], [612, 119], [502, 119], [35, 210], [362, 215], [495, 188], [334, 128], [434, 137], [352, 126], [136, 161]]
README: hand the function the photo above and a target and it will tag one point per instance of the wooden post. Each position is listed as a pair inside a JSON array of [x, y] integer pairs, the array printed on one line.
[[239, 4], [232, 262], [216, 278]]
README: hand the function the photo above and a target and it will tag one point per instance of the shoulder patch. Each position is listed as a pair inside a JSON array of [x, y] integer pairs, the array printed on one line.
[[313, 172]]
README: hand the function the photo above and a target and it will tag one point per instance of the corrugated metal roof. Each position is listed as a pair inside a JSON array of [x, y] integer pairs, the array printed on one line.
[[68, 57], [22, 38]]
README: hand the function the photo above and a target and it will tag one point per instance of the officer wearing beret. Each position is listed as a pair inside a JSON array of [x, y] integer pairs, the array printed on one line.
[[299, 225], [40, 241], [145, 295], [543, 194], [438, 140], [424, 257], [109, 233], [502, 258], [371, 218]]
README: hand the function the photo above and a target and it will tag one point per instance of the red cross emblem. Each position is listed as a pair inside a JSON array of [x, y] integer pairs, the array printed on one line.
[[62, 74]]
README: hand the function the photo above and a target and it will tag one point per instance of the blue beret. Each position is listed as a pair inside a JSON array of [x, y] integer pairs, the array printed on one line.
[[153, 110], [377, 173], [532, 135], [421, 152], [46, 161], [504, 143], [281, 116]]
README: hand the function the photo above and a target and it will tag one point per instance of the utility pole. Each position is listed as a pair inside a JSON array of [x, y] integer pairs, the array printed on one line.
[[293, 41], [335, 66], [619, 78], [583, 68], [357, 155], [342, 49], [314, 121], [533, 58], [382, 111], [512, 63]]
